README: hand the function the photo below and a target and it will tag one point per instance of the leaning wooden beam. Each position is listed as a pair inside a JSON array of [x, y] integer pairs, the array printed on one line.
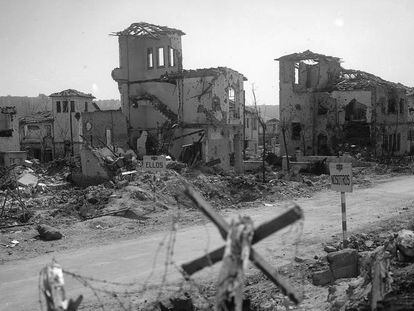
[[272, 274], [207, 210], [223, 227], [263, 231]]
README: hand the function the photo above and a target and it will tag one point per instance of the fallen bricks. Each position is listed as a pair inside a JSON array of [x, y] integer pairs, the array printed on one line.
[[342, 264]]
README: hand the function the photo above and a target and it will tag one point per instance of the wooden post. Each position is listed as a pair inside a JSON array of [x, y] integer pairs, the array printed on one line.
[[343, 209], [236, 257], [285, 145], [52, 286], [264, 152]]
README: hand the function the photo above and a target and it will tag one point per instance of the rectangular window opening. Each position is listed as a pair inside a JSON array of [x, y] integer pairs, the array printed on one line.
[[65, 106], [58, 108], [160, 57], [6, 128], [86, 106], [296, 129], [231, 94], [392, 105], [296, 73], [72, 106], [254, 124], [150, 58], [171, 57], [402, 106]]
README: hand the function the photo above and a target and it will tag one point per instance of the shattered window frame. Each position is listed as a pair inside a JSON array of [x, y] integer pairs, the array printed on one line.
[[150, 58], [159, 53]]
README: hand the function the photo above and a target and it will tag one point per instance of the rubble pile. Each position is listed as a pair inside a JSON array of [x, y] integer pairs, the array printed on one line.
[[384, 261], [43, 194]]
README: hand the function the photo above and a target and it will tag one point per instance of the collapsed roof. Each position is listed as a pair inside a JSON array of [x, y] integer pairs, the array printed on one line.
[[308, 55], [147, 30], [38, 117], [351, 79], [348, 79], [71, 92], [202, 72]]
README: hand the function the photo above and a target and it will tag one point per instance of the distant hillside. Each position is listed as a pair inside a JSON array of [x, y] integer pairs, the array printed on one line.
[[109, 104], [268, 112], [27, 105]]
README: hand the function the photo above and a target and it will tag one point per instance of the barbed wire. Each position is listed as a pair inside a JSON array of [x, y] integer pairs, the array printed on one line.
[[98, 287]]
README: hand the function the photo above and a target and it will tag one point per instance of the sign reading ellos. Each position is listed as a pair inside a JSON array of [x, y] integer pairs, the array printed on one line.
[[154, 163], [341, 176]]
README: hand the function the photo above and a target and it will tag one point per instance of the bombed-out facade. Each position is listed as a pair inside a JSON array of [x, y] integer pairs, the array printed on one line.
[[67, 107], [193, 115], [326, 109]]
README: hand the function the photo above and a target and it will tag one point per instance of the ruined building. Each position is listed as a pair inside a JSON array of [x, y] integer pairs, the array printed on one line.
[[325, 108], [193, 115], [251, 131], [36, 135], [67, 107]]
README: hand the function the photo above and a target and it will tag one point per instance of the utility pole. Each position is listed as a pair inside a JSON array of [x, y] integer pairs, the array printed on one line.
[[263, 125], [285, 144], [70, 124]]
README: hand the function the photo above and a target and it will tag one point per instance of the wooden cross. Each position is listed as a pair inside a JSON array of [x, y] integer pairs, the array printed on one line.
[[237, 235]]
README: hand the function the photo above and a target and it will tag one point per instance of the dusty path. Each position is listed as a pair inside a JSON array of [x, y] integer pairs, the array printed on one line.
[[132, 260]]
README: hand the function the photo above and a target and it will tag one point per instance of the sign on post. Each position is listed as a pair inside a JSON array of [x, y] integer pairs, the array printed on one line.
[[341, 181], [154, 163], [341, 176]]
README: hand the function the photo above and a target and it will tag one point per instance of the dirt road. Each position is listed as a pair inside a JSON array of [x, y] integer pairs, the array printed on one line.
[[133, 260]]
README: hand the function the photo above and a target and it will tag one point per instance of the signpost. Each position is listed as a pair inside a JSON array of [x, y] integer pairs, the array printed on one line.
[[154, 163], [341, 181]]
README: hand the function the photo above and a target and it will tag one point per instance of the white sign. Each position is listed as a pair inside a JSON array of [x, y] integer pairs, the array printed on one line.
[[341, 176], [154, 163]]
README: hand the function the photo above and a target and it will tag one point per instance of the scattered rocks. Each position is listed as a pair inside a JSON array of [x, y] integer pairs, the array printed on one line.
[[48, 233], [330, 249], [405, 244], [299, 259], [322, 278]]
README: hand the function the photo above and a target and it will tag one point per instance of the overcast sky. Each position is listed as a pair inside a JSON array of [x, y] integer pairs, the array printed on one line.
[[50, 45]]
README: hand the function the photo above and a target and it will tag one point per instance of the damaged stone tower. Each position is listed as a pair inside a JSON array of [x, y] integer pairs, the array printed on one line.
[[193, 115]]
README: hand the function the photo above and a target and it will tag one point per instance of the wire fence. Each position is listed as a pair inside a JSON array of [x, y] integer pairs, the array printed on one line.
[[112, 295]]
